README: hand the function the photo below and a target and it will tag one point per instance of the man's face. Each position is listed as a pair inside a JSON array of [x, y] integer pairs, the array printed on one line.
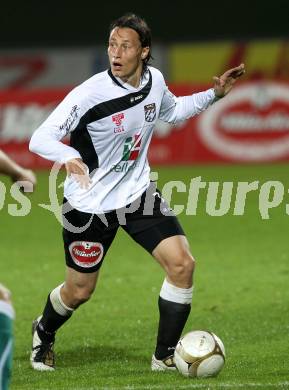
[[125, 53]]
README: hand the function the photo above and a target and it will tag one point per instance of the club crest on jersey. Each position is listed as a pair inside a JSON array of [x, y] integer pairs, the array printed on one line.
[[86, 254], [117, 119], [150, 112]]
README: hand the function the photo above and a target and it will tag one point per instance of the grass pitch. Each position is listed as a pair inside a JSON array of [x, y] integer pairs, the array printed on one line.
[[241, 293]]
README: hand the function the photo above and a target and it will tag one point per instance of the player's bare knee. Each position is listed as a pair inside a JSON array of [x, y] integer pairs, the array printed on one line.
[[84, 294], [183, 266], [81, 295], [185, 263]]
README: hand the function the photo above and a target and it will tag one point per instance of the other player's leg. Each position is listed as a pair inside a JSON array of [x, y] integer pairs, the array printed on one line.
[[6, 337]]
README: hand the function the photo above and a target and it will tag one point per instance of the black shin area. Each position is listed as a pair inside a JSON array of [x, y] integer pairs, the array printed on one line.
[[173, 317], [50, 322]]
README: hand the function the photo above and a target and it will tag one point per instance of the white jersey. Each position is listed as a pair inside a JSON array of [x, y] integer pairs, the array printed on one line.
[[111, 124]]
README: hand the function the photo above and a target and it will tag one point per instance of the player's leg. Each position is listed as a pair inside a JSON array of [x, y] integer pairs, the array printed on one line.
[[157, 230], [85, 250], [173, 254], [60, 305], [63, 300], [78, 287], [175, 297]]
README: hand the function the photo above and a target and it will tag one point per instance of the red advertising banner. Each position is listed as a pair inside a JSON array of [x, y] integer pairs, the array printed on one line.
[[21, 112], [250, 125]]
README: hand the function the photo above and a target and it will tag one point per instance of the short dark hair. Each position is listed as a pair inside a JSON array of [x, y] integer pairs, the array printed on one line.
[[138, 24]]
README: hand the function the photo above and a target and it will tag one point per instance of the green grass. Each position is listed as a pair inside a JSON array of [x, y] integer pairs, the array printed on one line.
[[241, 293]]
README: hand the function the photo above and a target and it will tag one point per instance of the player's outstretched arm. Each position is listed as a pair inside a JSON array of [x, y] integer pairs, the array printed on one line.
[[14, 171], [175, 109], [224, 83]]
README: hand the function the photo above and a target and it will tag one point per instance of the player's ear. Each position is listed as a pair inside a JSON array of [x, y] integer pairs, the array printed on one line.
[[145, 52]]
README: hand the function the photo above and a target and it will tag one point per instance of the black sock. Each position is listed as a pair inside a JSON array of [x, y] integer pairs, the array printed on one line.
[[50, 322], [173, 317]]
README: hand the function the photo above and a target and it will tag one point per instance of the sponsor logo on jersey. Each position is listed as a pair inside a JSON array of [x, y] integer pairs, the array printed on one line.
[[67, 124], [117, 120], [86, 254], [119, 129], [130, 154], [136, 98], [150, 112], [131, 148], [124, 166]]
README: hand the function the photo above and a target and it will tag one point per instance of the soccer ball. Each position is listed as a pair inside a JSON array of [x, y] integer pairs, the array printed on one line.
[[199, 354]]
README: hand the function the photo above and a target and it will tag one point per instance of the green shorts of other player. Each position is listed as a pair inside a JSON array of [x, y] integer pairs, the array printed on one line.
[[6, 343]]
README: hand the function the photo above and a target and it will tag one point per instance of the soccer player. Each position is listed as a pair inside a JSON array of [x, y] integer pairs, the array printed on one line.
[[6, 336], [111, 118]]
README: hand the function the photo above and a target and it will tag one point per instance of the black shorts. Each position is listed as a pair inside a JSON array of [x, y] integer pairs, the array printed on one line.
[[87, 237]]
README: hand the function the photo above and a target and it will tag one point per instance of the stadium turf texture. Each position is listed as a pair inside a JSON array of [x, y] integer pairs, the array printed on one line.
[[241, 291]]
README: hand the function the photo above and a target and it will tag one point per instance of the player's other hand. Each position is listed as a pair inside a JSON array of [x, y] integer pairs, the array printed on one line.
[[79, 171], [5, 294], [224, 83], [24, 175]]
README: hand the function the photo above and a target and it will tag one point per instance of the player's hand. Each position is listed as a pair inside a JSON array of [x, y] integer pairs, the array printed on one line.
[[5, 294], [25, 175], [224, 83], [79, 171]]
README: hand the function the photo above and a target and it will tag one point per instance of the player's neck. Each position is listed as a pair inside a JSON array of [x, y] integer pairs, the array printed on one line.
[[134, 79]]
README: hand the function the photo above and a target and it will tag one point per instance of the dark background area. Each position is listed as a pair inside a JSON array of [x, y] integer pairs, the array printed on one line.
[[70, 23]]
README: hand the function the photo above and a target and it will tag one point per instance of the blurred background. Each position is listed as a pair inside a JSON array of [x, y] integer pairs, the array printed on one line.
[[47, 48]]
